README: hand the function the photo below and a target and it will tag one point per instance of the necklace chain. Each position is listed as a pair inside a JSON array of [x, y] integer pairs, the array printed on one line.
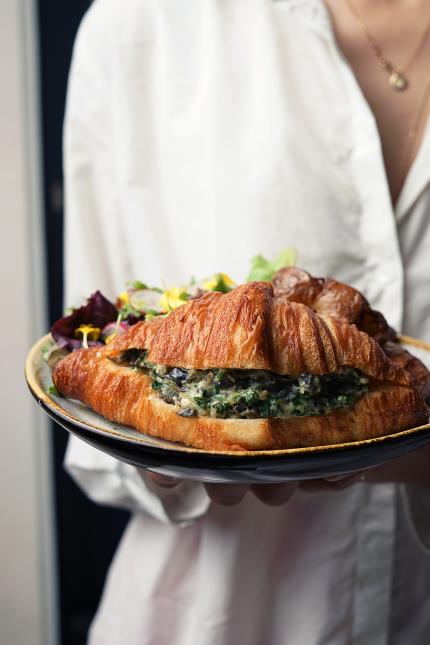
[[398, 81], [397, 75]]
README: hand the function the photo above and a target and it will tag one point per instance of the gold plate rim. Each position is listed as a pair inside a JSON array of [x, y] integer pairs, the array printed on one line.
[[31, 364]]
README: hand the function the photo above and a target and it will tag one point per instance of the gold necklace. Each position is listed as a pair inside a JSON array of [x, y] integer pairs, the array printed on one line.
[[397, 79]]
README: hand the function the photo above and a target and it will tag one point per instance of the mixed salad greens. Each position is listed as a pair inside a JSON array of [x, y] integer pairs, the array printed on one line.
[[222, 393], [99, 320]]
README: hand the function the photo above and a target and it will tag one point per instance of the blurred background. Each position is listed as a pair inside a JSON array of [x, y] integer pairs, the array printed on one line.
[[55, 545]]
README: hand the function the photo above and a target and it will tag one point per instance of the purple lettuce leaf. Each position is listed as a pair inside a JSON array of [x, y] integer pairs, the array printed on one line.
[[98, 311], [132, 319]]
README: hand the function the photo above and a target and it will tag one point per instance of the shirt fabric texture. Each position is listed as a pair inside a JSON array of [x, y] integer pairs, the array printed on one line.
[[197, 134]]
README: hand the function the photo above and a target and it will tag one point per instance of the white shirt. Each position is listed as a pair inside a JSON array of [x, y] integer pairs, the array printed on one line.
[[199, 133]]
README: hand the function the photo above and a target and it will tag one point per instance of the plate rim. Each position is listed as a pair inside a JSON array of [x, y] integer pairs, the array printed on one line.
[[43, 398]]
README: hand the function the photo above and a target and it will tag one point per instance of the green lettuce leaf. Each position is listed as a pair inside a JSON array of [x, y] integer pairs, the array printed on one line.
[[262, 269]]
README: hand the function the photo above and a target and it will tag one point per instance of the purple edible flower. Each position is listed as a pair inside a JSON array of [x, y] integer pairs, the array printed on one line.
[[98, 311]]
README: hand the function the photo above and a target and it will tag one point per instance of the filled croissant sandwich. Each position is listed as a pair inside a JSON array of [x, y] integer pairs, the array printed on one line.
[[260, 367]]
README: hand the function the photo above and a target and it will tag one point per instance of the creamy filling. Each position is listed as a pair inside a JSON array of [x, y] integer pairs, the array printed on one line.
[[249, 394]]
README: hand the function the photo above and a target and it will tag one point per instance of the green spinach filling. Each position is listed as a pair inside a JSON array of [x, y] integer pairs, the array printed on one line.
[[249, 394]]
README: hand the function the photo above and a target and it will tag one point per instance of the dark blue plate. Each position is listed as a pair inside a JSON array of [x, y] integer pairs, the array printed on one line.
[[176, 460]]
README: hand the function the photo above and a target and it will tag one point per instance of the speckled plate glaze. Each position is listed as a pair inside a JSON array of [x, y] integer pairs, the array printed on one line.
[[177, 460]]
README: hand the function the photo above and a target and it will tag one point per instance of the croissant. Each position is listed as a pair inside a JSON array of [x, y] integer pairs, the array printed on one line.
[[245, 371], [330, 297]]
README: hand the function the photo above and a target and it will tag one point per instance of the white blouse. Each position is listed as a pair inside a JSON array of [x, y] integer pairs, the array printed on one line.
[[199, 133]]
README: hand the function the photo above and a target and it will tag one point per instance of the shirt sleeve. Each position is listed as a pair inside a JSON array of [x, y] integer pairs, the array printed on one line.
[[417, 501], [417, 498], [108, 481], [89, 193], [90, 258]]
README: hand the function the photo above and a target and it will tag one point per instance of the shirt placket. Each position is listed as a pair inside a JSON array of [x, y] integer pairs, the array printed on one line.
[[384, 277], [383, 283], [384, 280]]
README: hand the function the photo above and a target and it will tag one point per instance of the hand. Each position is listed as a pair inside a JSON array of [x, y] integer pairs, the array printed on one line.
[[231, 494], [412, 469]]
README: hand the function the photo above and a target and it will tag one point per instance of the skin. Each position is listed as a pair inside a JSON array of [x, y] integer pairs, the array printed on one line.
[[397, 26], [411, 469], [232, 494]]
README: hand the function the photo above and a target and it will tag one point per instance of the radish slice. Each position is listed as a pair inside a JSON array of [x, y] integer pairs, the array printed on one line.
[[146, 299], [114, 328]]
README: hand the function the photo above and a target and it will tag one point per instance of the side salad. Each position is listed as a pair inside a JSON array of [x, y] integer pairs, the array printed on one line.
[[99, 320]]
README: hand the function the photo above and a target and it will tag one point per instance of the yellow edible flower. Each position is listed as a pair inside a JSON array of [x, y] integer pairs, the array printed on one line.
[[87, 332], [173, 298], [124, 298], [213, 282]]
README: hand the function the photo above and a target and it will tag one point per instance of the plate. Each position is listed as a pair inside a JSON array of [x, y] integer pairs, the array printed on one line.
[[177, 460]]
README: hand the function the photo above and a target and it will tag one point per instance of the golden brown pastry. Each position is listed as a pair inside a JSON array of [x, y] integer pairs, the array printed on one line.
[[420, 376], [329, 297], [245, 371]]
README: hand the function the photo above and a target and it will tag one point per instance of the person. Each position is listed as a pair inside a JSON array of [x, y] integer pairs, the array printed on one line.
[[197, 134]]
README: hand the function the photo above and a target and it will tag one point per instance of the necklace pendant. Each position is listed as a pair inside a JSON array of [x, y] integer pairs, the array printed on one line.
[[398, 82]]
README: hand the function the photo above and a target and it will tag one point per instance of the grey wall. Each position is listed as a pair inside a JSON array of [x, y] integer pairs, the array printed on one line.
[[27, 554]]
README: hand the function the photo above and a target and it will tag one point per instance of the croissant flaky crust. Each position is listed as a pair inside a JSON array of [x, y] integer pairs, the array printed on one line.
[[248, 328], [125, 396], [328, 297]]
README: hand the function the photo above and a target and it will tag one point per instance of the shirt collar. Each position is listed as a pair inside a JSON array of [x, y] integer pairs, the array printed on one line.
[[418, 177], [316, 15]]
